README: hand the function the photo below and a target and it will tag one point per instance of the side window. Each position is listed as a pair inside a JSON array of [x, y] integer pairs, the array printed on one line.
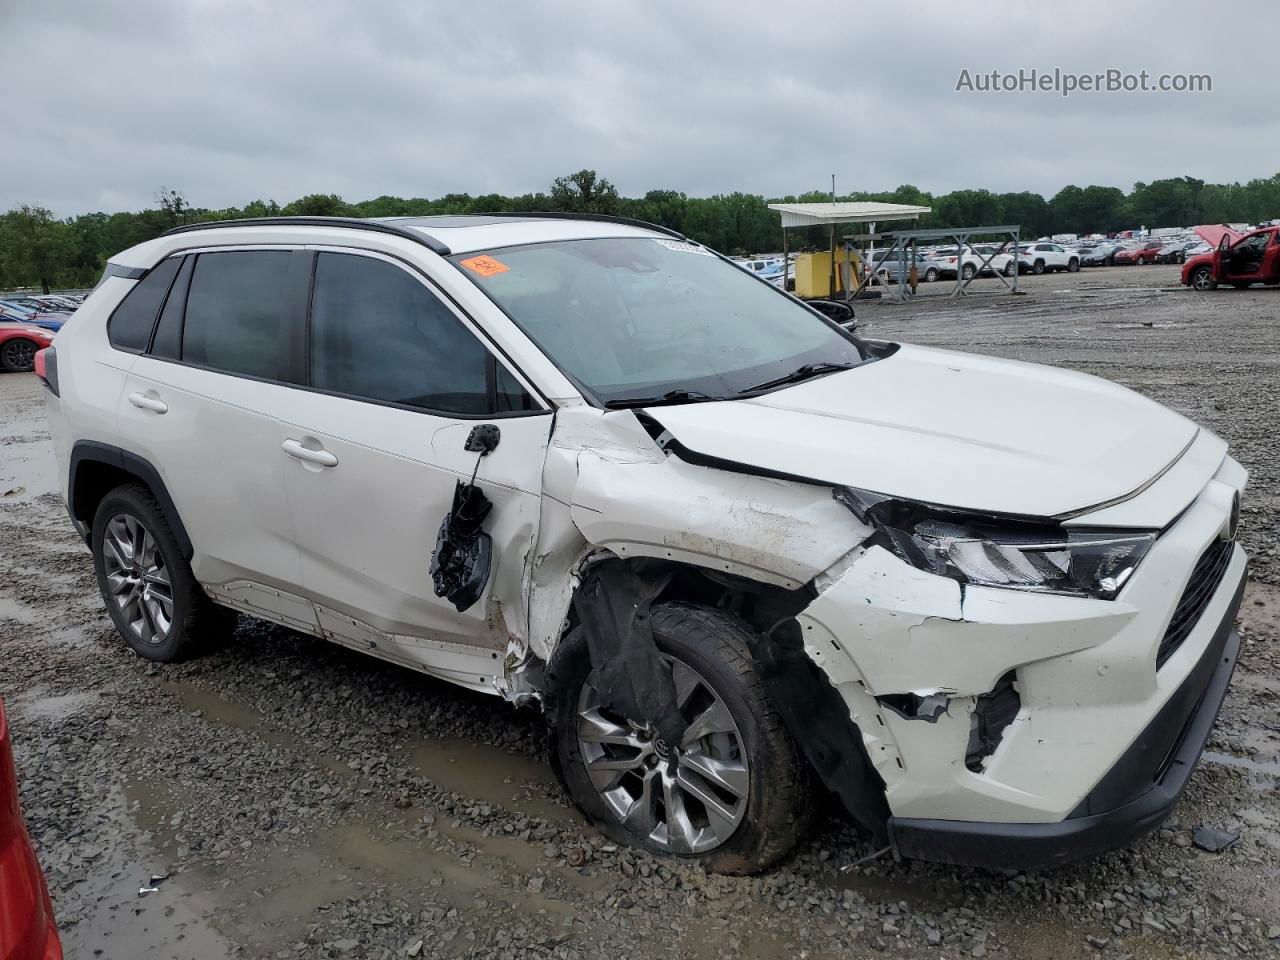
[[130, 325], [509, 396], [238, 314], [167, 342], [377, 332]]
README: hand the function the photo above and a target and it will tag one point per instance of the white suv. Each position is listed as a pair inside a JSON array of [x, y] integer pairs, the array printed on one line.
[[735, 552], [1047, 257]]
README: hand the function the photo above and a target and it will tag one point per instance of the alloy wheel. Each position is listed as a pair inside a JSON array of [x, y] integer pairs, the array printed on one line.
[[19, 354], [686, 798], [137, 578]]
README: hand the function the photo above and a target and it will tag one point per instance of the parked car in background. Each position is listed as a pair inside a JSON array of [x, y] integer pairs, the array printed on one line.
[[1046, 258], [11, 310], [1001, 262], [1136, 256], [18, 345], [1103, 255], [888, 263], [1254, 258], [992, 611], [27, 931]]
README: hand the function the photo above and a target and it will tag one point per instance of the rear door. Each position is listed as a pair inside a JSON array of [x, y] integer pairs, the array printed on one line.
[[396, 380], [199, 405]]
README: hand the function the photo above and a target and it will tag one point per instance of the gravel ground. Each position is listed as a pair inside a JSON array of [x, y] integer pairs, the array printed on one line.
[[303, 801]]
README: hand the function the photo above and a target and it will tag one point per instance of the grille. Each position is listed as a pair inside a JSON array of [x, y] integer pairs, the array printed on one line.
[[1200, 589]]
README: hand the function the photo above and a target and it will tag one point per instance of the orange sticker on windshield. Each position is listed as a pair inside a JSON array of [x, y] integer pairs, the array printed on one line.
[[485, 266]]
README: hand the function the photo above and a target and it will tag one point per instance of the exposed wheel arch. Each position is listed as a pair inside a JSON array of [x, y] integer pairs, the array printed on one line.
[[98, 468]]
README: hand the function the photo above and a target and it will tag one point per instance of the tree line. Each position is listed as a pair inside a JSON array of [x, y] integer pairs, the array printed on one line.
[[39, 249]]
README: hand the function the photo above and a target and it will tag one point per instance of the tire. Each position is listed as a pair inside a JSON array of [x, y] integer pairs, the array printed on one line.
[[1010, 269], [127, 519], [18, 354], [713, 647], [1038, 267], [968, 271], [1073, 265], [931, 275], [1202, 279]]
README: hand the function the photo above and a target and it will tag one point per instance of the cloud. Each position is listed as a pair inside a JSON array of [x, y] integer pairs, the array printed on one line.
[[231, 101]]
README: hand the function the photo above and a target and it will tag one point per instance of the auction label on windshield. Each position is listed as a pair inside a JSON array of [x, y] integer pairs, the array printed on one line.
[[485, 266]]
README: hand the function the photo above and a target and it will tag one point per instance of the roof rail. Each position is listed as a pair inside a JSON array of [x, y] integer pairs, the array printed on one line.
[[567, 215], [350, 223]]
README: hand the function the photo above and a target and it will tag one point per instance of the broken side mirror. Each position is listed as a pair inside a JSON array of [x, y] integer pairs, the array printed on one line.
[[464, 552], [840, 311]]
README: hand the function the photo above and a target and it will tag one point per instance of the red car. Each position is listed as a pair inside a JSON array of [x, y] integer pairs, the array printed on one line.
[[1143, 254], [18, 345], [1239, 261], [26, 916]]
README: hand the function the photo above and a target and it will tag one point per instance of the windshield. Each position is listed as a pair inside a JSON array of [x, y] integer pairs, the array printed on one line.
[[639, 317]]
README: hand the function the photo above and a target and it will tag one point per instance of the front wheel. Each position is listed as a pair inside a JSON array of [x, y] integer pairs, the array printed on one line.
[[1202, 279], [18, 355], [732, 795], [931, 275]]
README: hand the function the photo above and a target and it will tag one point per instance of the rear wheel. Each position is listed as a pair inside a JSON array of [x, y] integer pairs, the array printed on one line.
[[18, 355], [1202, 279], [969, 271], [1038, 267], [931, 275], [1073, 265], [150, 592], [1010, 269], [732, 795]]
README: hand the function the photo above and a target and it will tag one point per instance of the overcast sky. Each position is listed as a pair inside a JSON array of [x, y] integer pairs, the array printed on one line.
[[101, 103]]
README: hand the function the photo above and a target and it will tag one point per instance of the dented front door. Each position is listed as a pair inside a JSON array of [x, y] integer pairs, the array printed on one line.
[[371, 461]]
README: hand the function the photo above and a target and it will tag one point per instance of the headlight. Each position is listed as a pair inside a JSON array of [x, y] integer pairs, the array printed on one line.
[[1016, 554]]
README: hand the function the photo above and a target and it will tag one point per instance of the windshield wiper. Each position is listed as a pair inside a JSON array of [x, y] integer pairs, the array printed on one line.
[[806, 372], [671, 396]]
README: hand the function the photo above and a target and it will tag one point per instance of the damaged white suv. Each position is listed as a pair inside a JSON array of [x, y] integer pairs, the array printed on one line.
[[737, 553]]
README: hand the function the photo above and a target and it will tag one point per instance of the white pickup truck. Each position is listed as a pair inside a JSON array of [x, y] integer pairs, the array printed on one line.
[[1042, 257]]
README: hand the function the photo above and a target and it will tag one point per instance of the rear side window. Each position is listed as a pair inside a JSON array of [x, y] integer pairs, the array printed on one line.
[[130, 325], [378, 333], [238, 312], [167, 342]]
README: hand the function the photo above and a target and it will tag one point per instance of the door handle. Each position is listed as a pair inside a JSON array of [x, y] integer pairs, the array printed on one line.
[[144, 402], [321, 458]]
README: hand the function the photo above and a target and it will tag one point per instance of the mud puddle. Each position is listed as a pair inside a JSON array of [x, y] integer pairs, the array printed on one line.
[[477, 770]]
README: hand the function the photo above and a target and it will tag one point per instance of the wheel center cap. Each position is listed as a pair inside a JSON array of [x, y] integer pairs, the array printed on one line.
[[661, 749]]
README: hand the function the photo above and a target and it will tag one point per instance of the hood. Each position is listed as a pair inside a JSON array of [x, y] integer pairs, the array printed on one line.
[[953, 429], [1212, 233]]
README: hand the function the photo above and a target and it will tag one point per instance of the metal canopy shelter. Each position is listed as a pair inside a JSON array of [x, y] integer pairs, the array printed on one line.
[[829, 214], [903, 244]]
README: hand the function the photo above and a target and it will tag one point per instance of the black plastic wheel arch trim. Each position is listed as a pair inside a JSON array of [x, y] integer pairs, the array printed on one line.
[[90, 451], [348, 223]]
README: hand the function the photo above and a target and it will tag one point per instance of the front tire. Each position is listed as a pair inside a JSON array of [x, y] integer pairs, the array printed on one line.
[[1202, 279], [931, 275], [150, 592], [18, 355], [733, 798]]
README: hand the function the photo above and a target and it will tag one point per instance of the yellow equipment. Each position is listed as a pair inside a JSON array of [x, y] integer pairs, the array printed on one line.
[[813, 273]]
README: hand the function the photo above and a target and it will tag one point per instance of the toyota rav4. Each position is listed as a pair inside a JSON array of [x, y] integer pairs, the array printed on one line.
[[737, 553]]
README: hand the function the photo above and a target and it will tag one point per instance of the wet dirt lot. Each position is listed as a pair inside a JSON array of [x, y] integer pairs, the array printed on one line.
[[303, 801]]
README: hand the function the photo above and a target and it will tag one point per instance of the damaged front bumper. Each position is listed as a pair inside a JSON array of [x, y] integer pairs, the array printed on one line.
[[1018, 728], [1134, 797]]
